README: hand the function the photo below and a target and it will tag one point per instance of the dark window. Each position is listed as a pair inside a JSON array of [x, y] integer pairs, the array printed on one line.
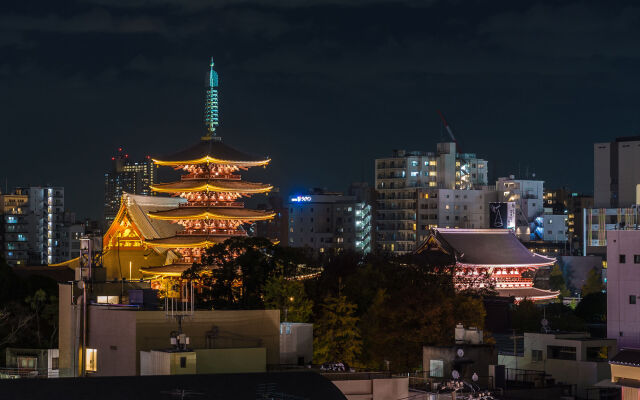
[[623, 259], [55, 363], [636, 258], [561, 352], [632, 299], [536, 355], [183, 362]]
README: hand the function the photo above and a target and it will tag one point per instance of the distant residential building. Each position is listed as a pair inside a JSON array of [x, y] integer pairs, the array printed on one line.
[[623, 287], [598, 222], [528, 197], [574, 206], [128, 176], [45, 220], [616, 174], [327, 221], [13, 228], [403, 181]]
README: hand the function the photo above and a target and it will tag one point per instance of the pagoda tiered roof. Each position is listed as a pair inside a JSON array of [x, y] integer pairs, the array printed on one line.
[[211, 151], [211, 185], [221, 213]]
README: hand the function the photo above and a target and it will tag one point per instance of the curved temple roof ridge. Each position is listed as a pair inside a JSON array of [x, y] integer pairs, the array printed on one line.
[[210, 150], [484, 247]]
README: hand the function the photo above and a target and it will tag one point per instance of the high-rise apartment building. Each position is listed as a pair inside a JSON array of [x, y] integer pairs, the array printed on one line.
[[412, 189], [13, 228], [45, 221], [616, 173], [326, 221], [128, 176]]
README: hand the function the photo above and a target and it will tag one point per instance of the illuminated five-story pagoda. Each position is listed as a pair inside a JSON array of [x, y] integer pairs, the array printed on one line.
[[212, 187]]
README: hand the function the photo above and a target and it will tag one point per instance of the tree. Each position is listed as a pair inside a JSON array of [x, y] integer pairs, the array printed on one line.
[[593, 283], [289, 297], [557, 281], [233, 274], [337, 336], [593, 308]]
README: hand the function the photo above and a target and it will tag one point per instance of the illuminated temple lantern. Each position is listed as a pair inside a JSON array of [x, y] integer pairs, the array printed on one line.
[[488, 258]]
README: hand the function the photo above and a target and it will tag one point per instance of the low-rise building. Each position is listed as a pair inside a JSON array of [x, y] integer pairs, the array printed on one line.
[[570, 358], [119, 328], [296, 343], [625, 372]]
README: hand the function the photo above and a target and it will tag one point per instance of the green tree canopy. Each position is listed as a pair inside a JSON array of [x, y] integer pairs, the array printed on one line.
[[337, 336], [593, 284], [557, 281], [289, 297]]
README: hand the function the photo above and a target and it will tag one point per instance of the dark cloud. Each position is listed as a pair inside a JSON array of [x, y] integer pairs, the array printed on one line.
[[322, 86]]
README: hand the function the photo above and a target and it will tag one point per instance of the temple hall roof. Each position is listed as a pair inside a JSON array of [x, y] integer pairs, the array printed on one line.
[[210, 150], [211, 185], [629, 357], [223, 213], [138, 207], [484, 247]]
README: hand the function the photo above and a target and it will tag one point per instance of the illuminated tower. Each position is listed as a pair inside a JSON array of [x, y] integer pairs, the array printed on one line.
[[213, 190], [211, 112]]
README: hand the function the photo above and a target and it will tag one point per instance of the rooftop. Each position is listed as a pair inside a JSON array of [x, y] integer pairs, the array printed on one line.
[[484, 247]]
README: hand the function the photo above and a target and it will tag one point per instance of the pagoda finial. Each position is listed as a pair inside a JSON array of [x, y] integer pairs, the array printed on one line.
[[211, 116]]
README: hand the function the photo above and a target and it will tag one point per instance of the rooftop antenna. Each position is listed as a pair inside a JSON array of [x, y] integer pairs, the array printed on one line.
[[211, 111]]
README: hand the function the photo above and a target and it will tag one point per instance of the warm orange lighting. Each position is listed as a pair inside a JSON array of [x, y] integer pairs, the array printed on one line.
[[211, 160]]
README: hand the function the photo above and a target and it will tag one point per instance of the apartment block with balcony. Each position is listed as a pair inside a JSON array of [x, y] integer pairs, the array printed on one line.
[[13, 228], [403, 180]]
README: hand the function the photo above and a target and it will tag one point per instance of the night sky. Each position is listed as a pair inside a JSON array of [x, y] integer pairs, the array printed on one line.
[[321, 86]]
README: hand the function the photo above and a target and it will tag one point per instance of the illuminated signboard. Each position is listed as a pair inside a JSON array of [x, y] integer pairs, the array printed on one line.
[[502, 215], [299, 199]]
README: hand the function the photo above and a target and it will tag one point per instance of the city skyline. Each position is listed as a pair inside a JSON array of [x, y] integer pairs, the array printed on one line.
[[126, 74]]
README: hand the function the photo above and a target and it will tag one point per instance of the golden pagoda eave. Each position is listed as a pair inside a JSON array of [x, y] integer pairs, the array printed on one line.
[[212, 160], [208, 187], [208, 215]]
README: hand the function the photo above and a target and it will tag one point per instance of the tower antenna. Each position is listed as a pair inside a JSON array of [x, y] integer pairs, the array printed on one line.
[[211, 111]]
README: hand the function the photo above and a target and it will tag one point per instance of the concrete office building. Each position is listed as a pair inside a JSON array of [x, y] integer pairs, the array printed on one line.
[[329, 221], [623, 287], [404, 179], [616, 173], [528, 197]]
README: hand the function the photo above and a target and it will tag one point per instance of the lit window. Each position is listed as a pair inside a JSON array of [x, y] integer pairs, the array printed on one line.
[[91, 361], [436, 368]]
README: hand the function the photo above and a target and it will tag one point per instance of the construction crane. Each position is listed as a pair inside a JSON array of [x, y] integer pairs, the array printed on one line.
[[448, 128]]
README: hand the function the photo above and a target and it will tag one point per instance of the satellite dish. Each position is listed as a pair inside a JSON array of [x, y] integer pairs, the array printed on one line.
[[474, 377], [455, 374], [460, 353]]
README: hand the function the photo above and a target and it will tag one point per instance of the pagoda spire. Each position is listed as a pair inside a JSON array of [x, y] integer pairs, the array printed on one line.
[[211, 113]]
